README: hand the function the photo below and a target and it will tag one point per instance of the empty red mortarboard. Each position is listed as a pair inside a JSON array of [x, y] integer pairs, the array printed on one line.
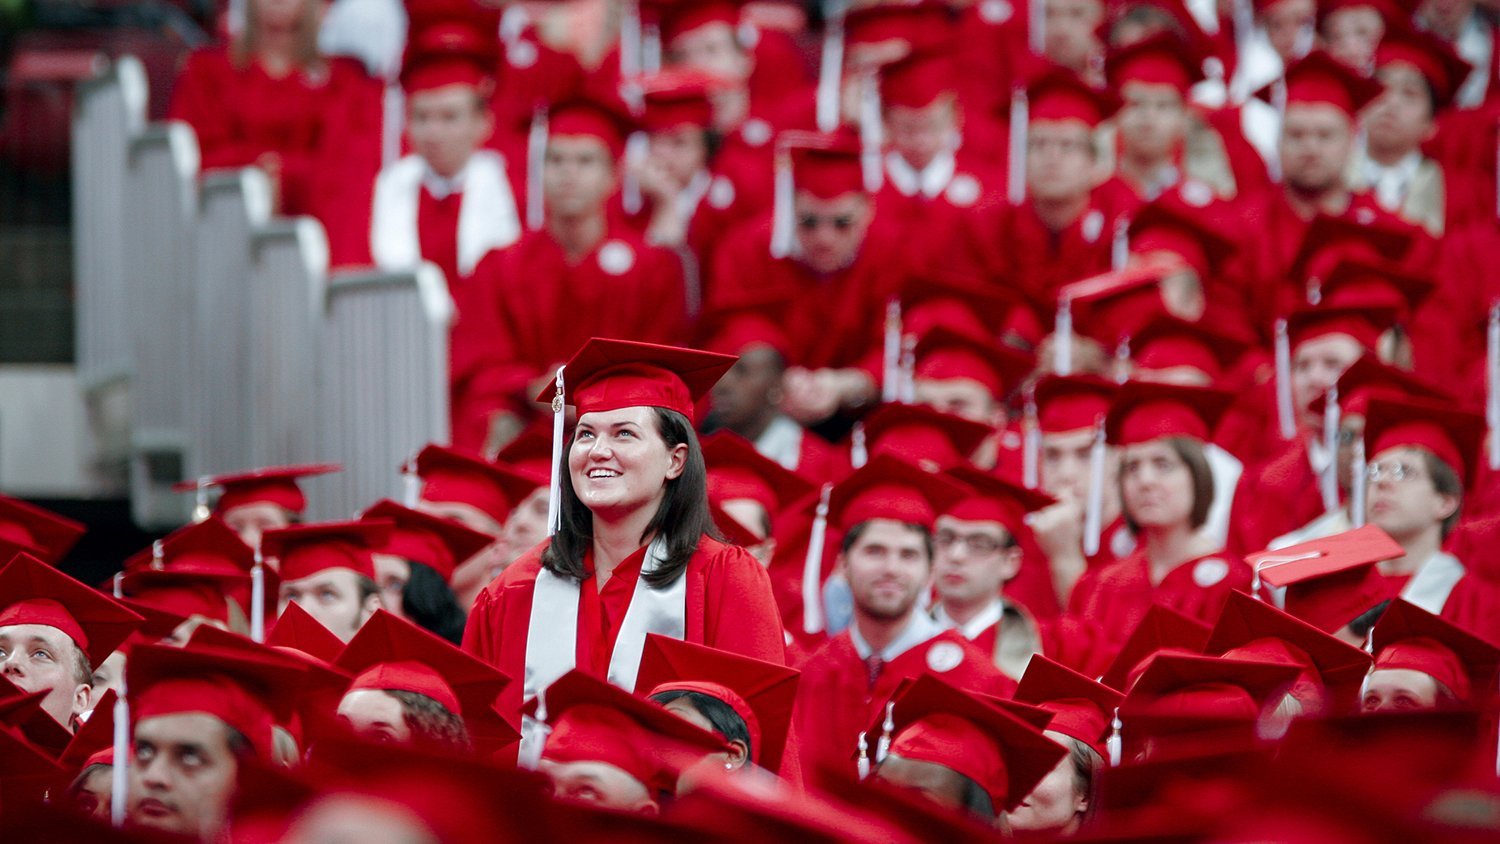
[[1162, 59], [938, 723], [593, 721], [1072, 402], [1331, 581], [1244, 622], [297, 630], [1368, 378], [1167, 342], [594, 117], [1145, 411], [1443, 69], [275, 485], [1451, 435], [944, 354], [423, 538], [530, 454], [737, 470], [760, 692], [919, 79], [934, 298], [678, 97], [250, 692], [923, 25], [1354, 283], [391, 653], [1080, 707], [209, 550], [458, 44], [1160, 628], [825, 164], [36, 593], [675, 18], [611, 374], [888, 487], [1363, 324], [1165, 225], [1320, 79], [1332, 239], [42, 533], [305, 550], [1408, 636], [449, 476], [922, 435], [1059, 94], [995, 499], [1184, 685]]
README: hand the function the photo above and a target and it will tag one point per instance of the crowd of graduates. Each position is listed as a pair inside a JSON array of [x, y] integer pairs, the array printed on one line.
[[920, 421]]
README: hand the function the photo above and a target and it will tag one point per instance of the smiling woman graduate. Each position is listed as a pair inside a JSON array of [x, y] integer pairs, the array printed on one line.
[[632, 552]]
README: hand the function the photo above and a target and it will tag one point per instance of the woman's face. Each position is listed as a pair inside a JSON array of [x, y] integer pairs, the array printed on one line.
[[1399, 690], [619, 464], [281, 14], [1055, 805], [1155, 485]]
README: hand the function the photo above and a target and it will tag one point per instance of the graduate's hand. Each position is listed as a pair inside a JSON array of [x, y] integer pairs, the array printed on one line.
[[1059, 528], [813, 395]]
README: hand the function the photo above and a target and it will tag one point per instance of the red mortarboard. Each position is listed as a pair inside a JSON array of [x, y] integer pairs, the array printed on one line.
[[760, 692], [678, 97], [1167, 342], [593, 721], [1080, 707], [297, 630], [184, 595], [1191, 686], [36, 593], [159, 623], [606, 120], [1368, 378], [1072, 402], [937, 723], [917, 80], [1365, 325], [531, 455], [1059, 94], [1332, 239], [1161, 628], [322, 684], [888, 487], [1320, 78], [924, 25], [250, 692], [422, 538], [448, 476], [1355, 282], [1443, 69], [1452, 435], [737, 470], [1245, 625], [94, 741], [825, 164], [1331, 581], [1408, 636], [21, 759], [44, 534], [611, 374], [1145, 411], [679, 17], [209, 550], [1395, 12], [391, 653], [305, 550], [944, 354], [458, 44], [745, 816], [731, 529], [738, 326], [1116, 303], [922, 435], [1166, 226], [1162, 59], [995, 499], [936, 297], [276, 485], [911, 812]]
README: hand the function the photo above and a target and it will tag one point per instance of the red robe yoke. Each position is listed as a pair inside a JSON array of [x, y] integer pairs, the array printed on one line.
[[1117, 596]]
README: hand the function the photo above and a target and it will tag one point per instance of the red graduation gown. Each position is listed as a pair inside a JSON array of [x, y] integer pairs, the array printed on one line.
[[729, 606], [1118, 595], [835, 701], [1274, 500], [1074, 642]]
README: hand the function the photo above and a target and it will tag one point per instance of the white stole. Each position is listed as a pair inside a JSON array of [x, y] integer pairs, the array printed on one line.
[[1434, 581], [487, 217]]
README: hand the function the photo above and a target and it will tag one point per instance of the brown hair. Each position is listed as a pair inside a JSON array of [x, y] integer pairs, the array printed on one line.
[[1445, 481], [1191, 453], [246, 45]]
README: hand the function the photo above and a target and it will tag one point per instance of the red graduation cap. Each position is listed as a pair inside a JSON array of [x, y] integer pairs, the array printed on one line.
[[184, 596], [159, 622], [276, 485], [20, 758], [420, 537], [1192, 686], [1409, 637], [297, 630], [919, 79], [1114, 304], [209, 550], [391, 653], [1145, 411], [41, 533], [1167, 342], [593, 721], [744, 816], [923, 435], [737, 470], [1320, 78], [1355, 282], [938, 723], [1368, 378], [1332, 239], [995, 499], [1162, 59], [1059, 94], [908, 810], [595, 117], [944, 354], [530, 453], [93, 744], [449, 476], [1395, 12], [36, 593], [322, 684], [1251, 629], [825, 164], [678, 97], [1166, 226], [1364, 324], [610, 374], [1331, 581], [249, 691], [736, 327], [675, 18], [936, 297], [1452, 435], [1432, 57], [1160, 628], [305, 550], [731, 529], [924, 25], [760, 692], [888, 487], [450, 44], [1072, 402], [1080, 707]]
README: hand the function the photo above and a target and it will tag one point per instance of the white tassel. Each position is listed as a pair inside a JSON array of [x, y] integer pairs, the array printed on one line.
[[1114, 744], [812, 567], [1062, 338], [781, 207], [831, 69], [1329, 480], [1492, 383], [1357, 480], [636, 149], [1031, 443], [906, 371], [118, 583], [120, 774], [630, 39], [870, 139], [536, 158], [1015, 188], [201, 510], [651, 48], [411, 484], [258, 599], [554, 496], [1122, 360], [1284, 412], [1119, 247], [859, 452], [1093, 512], [1036, 26], [891, 350], [534, 733], [883, 747], [864, 757]]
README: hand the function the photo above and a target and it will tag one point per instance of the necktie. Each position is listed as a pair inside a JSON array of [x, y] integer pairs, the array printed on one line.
[[874, 666]]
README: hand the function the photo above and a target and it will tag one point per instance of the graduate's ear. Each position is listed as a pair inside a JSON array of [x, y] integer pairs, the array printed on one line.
[[739, 753]]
